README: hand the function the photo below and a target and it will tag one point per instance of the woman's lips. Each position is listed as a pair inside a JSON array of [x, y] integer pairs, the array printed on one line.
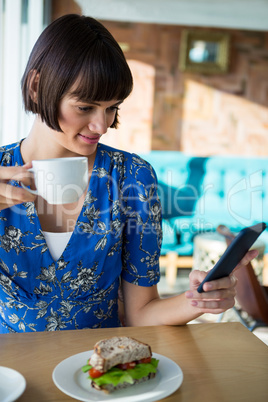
[[90, 140]]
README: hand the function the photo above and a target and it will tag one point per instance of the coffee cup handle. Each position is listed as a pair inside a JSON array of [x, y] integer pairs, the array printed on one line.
[[35, 192]]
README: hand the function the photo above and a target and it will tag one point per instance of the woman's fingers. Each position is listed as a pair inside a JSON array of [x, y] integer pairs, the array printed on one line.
[[213, 306], [12, 195], [226, 282], [247, 258], [212, 302], [16, 173], [218, 295], [196, 277], [9, 193]]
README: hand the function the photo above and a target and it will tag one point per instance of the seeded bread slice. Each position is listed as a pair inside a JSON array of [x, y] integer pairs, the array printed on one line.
[[118, 350]]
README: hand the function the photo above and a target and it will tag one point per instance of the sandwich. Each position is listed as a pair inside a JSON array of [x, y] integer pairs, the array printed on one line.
[[120, 362]]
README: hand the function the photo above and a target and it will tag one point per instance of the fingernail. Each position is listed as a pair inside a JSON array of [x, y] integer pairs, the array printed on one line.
[[189, 294], [194, 303]]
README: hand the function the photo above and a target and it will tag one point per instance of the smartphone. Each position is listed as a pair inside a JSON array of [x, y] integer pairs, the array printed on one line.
[[234, 253]]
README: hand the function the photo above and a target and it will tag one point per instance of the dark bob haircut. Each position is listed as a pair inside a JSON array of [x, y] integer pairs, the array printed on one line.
[[76, 50]]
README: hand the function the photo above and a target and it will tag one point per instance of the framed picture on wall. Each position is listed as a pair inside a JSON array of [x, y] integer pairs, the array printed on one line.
[[204, 52]]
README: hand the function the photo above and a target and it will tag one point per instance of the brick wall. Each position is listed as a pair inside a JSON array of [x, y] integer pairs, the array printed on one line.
[[195, 113]]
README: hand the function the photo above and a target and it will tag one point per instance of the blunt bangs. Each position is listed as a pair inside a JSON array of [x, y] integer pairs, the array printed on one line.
[[75, 55], [103, 76]]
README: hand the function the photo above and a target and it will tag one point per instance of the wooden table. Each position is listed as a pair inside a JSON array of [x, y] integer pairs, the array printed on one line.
[[220, 362]]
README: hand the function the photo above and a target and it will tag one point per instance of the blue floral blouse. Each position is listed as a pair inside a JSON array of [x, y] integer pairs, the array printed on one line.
[[117, 234]]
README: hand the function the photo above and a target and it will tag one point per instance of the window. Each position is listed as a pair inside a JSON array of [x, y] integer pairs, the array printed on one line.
[[21, 22]]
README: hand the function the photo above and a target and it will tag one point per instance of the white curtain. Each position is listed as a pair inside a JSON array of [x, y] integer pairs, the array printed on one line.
[[21, 22]]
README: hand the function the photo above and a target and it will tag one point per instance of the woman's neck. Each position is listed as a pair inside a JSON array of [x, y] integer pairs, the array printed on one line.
[[41, 144]]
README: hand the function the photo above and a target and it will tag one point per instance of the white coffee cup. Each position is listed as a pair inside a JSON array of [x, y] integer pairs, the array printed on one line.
[[60, 180]]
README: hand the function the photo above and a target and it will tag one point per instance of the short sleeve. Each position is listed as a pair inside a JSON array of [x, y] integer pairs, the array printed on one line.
[[142, 235]]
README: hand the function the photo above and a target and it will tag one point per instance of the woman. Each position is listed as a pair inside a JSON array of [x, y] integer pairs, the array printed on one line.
[[60, 265]]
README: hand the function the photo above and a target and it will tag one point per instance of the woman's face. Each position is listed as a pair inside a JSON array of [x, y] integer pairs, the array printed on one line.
[[83, 124]]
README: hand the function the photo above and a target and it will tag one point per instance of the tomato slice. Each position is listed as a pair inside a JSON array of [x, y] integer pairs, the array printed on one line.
[[94, 373], [126, 366], [145, 360]]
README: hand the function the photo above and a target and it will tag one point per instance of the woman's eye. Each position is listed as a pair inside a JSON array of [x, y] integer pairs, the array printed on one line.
[[84, 108], [114, 108]]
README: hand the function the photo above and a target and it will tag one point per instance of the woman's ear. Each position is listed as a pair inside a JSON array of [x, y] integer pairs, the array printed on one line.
[[33, 85]]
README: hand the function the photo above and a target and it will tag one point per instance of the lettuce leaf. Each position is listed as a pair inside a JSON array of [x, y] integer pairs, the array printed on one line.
[[114, 376], [86, 368], [117, 376]]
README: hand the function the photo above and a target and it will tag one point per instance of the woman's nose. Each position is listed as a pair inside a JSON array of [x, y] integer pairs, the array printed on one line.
[[98, 123]]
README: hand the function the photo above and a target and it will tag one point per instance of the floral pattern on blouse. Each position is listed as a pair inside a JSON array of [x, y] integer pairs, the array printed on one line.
[[118, 234]]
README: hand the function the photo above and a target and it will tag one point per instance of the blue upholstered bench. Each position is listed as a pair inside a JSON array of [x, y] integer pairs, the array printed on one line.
[[199, 193]]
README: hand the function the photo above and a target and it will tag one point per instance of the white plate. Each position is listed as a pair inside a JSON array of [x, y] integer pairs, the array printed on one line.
[[70, 379], [12, 384]]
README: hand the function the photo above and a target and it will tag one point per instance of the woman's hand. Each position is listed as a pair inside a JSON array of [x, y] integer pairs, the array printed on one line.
[[143, 306], [11, 195], [218, 295]]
